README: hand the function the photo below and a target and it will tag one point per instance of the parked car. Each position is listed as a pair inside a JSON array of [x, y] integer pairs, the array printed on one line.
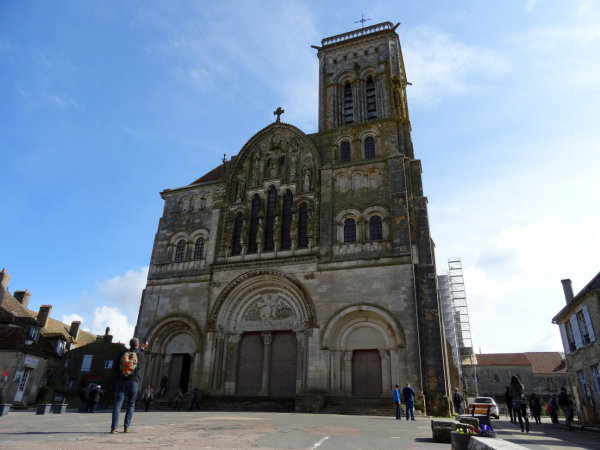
[[481, 405]]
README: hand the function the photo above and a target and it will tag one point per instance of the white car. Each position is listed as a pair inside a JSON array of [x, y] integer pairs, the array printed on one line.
[[482, 404]]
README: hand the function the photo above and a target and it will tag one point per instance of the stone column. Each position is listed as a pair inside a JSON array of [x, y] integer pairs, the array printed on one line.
[[216, 366], [233, 348], [300, 361], [348, 372], [385, 373], [267, 340]]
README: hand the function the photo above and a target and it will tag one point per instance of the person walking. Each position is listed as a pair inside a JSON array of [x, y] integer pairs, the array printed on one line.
[[566, 405], [519, 404], [164, 385], [457, 399], [195, 399], [408, 393], [535, 406], [176, 399], [148, 396], [508, 401], [398, 402], [130, 371], [553, 408]]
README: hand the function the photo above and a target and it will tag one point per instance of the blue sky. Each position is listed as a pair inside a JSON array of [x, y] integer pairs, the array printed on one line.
[[107, 103]]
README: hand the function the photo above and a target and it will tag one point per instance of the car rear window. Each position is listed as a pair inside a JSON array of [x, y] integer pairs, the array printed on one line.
[[484, 400]]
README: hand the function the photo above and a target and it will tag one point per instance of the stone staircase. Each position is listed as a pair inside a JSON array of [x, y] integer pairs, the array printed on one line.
[[365, 406]]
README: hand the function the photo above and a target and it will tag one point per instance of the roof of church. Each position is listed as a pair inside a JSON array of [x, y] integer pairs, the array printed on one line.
[[540, 362], [213, 175]]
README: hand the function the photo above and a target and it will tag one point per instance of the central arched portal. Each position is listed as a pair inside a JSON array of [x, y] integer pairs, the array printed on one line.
[[260, 348]]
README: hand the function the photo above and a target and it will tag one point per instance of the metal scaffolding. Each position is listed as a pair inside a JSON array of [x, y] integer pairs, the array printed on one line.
[[456, 284]]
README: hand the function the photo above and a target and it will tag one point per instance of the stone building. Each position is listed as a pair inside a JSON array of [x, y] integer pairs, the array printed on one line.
[[304, 265], [31, 344], [542, 373], [579, 323]]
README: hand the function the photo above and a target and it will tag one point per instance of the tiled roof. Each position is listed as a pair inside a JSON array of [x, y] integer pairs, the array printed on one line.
[[540, 362], [213, 175]]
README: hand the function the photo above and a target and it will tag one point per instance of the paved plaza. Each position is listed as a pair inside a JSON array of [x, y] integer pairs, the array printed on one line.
[[253, 430]]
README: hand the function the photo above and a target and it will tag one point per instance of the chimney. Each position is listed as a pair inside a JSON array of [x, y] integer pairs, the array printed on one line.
[[107, 337], [74, 330], [23, 297], [4, 279], [568, 290], [44, 315]]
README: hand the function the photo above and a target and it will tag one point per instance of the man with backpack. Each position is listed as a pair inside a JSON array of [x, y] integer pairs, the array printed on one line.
[[130, 372]]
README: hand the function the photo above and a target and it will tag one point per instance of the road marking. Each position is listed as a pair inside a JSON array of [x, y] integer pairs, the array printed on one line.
[[320, 442]]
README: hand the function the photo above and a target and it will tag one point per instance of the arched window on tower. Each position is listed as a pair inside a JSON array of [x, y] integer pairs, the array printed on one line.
[[345, 153], [375, 228], [271, 204], [349, 230], [236, 244], [370, 148], [254, 214], [286, 220], [199, 248], [303, 225], [371, 99], [348, 104], [180, 250]]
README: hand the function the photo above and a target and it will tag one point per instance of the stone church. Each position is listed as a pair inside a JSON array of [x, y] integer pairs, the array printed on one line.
[[303, 267]]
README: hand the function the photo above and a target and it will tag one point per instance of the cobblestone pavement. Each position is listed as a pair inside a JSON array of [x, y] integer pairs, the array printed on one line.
[[251, 430]]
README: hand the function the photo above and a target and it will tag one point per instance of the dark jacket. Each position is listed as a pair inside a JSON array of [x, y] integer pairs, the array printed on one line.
[[408, 393], [138, 374], [458, 398]]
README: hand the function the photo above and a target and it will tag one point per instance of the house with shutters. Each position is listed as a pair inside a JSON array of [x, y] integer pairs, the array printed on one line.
[[579, 323]]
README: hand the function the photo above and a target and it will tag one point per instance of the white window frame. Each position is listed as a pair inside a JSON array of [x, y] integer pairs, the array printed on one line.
[[86, 363], [108, 364]]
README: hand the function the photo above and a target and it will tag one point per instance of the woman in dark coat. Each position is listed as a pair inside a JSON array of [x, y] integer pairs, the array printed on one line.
[[536, 408], [519, 403]]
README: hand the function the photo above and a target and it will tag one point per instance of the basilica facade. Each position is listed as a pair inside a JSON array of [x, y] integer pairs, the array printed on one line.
[[304, 265]]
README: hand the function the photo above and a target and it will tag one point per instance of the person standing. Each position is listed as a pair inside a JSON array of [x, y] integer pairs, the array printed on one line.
[[164, 385], [148, 396], [130, 371], [195, 399], [566, 405], [95, 395], [409, 401], [177, 398], [457, 399], [398, 402], [535, 407], [508, 401], [519, 404]]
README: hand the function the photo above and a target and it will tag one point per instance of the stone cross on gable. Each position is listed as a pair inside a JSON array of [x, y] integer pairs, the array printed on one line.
[[278, 112]]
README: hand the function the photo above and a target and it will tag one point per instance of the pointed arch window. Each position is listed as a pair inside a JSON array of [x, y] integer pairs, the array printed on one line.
[[348, 104], [254, 215], [375, 228], [371, 99], [303, 225], [180, 250], [349, 230], [345, 153], [370, 148], [238, 222], [286, 220], [271, 204], [199, 248]]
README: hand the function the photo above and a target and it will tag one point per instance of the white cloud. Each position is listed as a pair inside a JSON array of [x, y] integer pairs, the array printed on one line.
[[113, 303], [71, 318]]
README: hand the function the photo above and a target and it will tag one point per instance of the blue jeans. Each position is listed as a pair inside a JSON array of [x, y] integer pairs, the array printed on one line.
[[410, 410], [129, 388]]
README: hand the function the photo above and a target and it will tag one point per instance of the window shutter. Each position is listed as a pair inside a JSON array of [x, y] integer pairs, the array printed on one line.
[[565, 340], [588, 323], [576, 332]]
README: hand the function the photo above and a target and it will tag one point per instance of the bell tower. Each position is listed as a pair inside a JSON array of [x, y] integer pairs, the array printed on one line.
[[362, 79]]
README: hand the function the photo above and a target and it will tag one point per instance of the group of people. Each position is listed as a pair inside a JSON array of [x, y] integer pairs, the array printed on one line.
[[408, 395]]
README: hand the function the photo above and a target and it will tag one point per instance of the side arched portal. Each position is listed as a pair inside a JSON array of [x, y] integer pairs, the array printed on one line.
[[364, 343], [174, 351]]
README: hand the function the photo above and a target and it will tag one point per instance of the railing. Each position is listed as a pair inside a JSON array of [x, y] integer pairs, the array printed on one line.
[[357, 33]]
